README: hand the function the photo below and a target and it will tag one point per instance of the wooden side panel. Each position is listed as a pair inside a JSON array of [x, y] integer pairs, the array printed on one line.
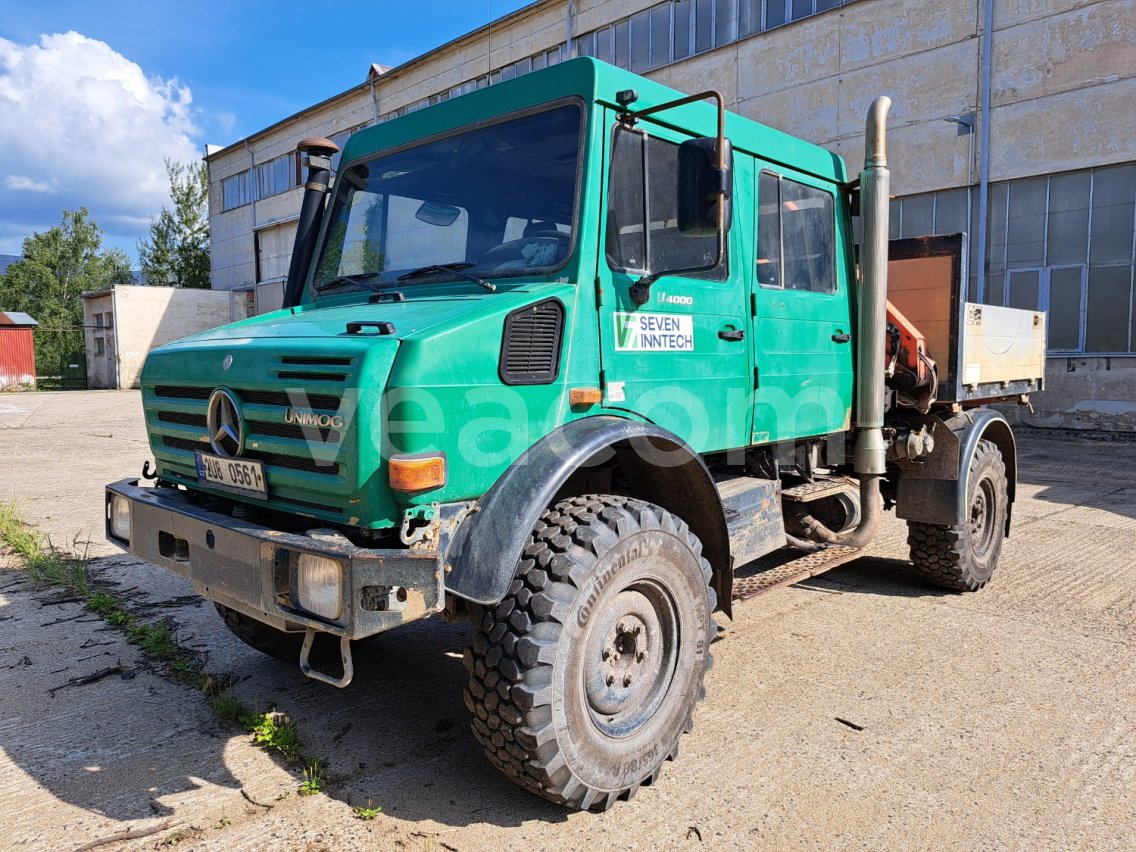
[[920, 288]]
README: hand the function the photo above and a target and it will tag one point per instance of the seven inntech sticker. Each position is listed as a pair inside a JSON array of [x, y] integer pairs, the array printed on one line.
[[640, 332]]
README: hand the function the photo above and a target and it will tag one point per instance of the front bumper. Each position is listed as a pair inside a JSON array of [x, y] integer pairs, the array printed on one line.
[[252, 569]]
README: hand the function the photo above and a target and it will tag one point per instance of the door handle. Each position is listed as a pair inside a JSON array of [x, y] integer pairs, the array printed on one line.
[[733, 334], [841, 337]]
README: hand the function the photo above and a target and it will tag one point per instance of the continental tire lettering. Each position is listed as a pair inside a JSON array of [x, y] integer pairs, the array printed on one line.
[[625, 558]]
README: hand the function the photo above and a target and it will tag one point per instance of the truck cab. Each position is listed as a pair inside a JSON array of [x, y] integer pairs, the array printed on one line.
[[557, 356]]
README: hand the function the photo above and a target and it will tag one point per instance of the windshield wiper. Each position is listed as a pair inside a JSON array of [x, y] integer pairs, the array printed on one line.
[[356, 278], [455, 268]]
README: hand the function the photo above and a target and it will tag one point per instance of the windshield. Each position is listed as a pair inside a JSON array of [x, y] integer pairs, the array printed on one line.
[[494, 201]]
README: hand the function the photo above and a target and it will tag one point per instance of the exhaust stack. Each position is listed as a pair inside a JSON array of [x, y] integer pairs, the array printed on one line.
[[319, 152], [875, 186], [869, 456]]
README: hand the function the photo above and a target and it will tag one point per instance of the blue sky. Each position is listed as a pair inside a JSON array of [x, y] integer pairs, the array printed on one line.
[[95, 94]]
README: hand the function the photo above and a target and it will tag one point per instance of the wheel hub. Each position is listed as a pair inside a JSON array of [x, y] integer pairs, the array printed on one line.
[[981, 525], [630, 659]]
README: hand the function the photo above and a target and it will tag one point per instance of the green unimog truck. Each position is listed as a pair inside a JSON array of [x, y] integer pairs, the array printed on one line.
[[558, 356]]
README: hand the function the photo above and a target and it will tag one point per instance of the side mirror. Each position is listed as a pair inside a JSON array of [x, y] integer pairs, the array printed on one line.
[[703, 187]]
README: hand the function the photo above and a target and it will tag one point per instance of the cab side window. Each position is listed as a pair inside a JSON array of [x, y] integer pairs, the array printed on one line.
[[644, 180], [796, 235]]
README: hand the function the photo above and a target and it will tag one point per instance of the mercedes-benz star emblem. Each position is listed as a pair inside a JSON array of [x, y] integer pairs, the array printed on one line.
[[226, 431]]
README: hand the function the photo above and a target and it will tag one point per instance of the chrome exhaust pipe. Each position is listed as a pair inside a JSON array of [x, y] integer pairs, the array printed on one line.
[[869, 456], [875, 187]]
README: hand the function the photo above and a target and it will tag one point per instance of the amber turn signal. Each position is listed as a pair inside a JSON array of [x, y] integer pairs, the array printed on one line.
[[417, 472], [585, 396]]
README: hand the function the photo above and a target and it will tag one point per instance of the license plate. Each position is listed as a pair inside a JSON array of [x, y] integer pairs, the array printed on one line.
[[235, 474]]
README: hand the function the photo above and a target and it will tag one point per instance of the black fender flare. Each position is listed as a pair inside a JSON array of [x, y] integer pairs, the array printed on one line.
[[482, 558], [941, 498]]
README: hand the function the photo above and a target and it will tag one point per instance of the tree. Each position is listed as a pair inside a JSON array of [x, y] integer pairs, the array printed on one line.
[[177, 250], [56, 268]]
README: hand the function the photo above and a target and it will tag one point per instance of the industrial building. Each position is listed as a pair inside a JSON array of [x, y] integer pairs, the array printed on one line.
[[1013, 121], [17, 351], [122, 324]]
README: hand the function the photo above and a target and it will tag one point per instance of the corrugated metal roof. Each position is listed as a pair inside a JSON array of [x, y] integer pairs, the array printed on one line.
[[16, 318]]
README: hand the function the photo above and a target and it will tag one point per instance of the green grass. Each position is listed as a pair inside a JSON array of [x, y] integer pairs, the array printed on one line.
[[48, 566], [313, 780], [369, 812], [274, 732], [227, 709]]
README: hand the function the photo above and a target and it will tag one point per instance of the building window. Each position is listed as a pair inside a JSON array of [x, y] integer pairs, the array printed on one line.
[[1060, 243], [100, 346], [276, 176], [236, 191]]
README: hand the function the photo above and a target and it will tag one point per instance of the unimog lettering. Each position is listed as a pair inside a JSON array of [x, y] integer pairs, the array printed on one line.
[[311, 418]]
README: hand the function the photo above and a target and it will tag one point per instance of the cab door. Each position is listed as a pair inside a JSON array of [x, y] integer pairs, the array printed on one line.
[[802, 317], [682, 360]]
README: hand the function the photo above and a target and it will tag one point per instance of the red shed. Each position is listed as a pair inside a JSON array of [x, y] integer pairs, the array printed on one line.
[[17, 352]]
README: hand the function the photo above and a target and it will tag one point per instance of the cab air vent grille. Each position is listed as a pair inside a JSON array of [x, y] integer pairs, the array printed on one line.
[[530, 346]]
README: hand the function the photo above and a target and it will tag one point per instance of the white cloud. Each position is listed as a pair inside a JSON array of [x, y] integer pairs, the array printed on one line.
[[26, 184], [82, 125]]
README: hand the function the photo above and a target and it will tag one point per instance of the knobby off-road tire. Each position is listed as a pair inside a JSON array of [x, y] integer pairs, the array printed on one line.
[[961, 558], [584, 677]]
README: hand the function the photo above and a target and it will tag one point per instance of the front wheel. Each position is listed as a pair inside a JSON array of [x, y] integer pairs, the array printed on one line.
[[962, 557], [584, 677]]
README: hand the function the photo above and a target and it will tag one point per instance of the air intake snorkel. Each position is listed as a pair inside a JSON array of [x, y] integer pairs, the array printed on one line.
[[319, 152]]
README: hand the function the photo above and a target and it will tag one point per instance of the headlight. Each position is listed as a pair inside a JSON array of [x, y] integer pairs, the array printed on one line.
[[319, 585], [120, 516]]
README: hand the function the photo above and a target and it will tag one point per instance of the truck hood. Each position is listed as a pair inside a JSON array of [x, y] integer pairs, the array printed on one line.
[[416, 315]]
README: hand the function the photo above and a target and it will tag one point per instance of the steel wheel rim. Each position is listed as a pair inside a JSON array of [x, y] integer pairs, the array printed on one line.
[[630, 658], [982, 509]]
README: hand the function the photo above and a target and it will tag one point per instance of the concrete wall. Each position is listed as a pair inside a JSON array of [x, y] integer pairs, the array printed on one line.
[[144, 318]]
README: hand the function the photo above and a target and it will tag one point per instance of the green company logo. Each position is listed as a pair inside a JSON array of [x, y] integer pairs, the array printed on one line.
[[640, 332]]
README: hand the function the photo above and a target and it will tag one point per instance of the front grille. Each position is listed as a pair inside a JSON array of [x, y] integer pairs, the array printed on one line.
[[283, 399], [290, 430], [303, 463], [312, 360], [255, 427], [179, 392], [298, 376], [321, 401], [181, 418]]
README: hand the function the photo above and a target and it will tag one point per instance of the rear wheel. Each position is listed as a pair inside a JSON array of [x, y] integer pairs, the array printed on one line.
[[963, 557], [584, 677]]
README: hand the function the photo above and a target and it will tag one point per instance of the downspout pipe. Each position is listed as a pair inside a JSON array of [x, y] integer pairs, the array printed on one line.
[[319, 152], [984, 147], [869, 457]]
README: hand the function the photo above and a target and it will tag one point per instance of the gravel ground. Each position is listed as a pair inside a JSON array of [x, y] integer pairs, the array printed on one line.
[[1002, 719]]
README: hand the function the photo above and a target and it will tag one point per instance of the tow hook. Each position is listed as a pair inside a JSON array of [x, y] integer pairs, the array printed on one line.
[[344, 655]]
